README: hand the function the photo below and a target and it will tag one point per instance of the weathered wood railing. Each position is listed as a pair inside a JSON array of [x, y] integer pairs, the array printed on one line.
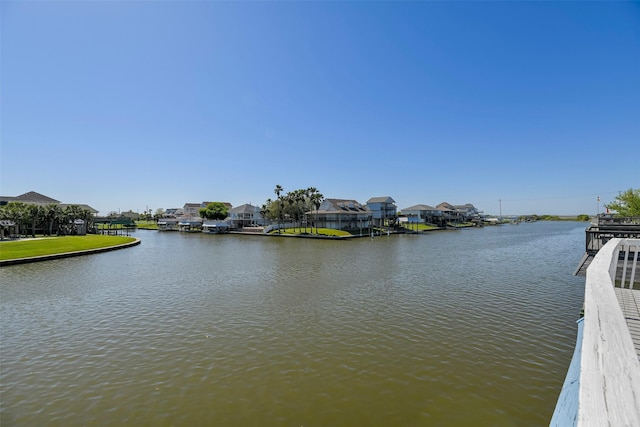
[[602, 387]]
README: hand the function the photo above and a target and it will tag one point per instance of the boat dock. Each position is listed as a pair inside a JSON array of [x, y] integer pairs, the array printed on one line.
[[602, 386], [601, 231]]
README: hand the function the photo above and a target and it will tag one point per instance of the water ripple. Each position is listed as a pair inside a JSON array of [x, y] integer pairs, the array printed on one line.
[[228, 330]]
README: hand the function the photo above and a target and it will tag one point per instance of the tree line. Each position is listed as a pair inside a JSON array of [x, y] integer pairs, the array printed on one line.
[[47, 219], [291, 206]]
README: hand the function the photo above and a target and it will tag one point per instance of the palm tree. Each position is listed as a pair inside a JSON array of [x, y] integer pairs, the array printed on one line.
[[279, 190], [300, 196], [309, 192], [16, 212], [35, 215], [264, 210], [51, 216], [316, 200], [70, 214]]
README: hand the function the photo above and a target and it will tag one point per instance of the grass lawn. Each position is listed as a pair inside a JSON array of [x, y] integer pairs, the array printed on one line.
[[54, 245], [461, 224], [419, 227], [147, 225]]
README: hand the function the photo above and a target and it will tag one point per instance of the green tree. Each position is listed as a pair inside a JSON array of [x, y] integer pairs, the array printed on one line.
[[214, 210], [35, 217], [159, 214], [17, 212], [278, 190], [626, 204], [294, 205], [316, 201], [51, 216]]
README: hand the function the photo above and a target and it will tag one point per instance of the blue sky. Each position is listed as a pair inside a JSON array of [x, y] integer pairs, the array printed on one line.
[[128, 105]]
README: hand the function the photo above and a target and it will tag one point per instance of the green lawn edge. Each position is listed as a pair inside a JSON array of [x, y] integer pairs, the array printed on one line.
[[28, 248]]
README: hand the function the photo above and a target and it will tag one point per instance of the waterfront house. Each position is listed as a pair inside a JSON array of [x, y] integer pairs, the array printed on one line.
[[36, 199], [245, 215], [191, 210], [466, 211], [131, 215], [423, 214], [340, 214], [30, 198], [33, 198], [383, 209]]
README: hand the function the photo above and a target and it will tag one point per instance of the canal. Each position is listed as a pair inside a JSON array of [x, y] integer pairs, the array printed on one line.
[[470, 327]]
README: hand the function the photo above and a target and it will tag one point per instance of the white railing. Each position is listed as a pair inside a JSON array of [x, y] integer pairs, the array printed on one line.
[[272, 227], [626, 247], [609, 371]]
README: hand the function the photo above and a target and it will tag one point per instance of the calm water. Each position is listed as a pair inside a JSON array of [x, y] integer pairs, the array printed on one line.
[[474, 327]]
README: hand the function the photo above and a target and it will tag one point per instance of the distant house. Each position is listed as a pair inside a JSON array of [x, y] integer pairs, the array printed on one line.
[[173, 212], [30, 198], [245, 215], [75, 226], [465, 212], [191, 210], [131, 215], [423, 214], [382, 209], [33, 198], [340, 214]]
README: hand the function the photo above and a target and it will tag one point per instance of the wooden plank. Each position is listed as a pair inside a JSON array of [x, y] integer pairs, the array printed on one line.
[[629, 301]]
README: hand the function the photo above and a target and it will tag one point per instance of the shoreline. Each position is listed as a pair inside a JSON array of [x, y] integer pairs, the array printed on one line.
[[61, 255]]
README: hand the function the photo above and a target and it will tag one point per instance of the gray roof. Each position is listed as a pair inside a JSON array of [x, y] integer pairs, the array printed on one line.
[[342, 206], [31, 198], [421, 208], [246, 208], [385, 199]]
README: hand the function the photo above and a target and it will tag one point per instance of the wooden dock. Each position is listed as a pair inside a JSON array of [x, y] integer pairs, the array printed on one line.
[[629, 300], [603, 382]]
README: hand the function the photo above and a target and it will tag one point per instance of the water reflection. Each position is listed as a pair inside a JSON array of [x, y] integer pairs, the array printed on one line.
[[473, 327]]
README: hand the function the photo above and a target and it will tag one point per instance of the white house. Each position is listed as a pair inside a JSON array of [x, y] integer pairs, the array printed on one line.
[[340, 214], [245, 215], [382, 209], [423, 214]]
